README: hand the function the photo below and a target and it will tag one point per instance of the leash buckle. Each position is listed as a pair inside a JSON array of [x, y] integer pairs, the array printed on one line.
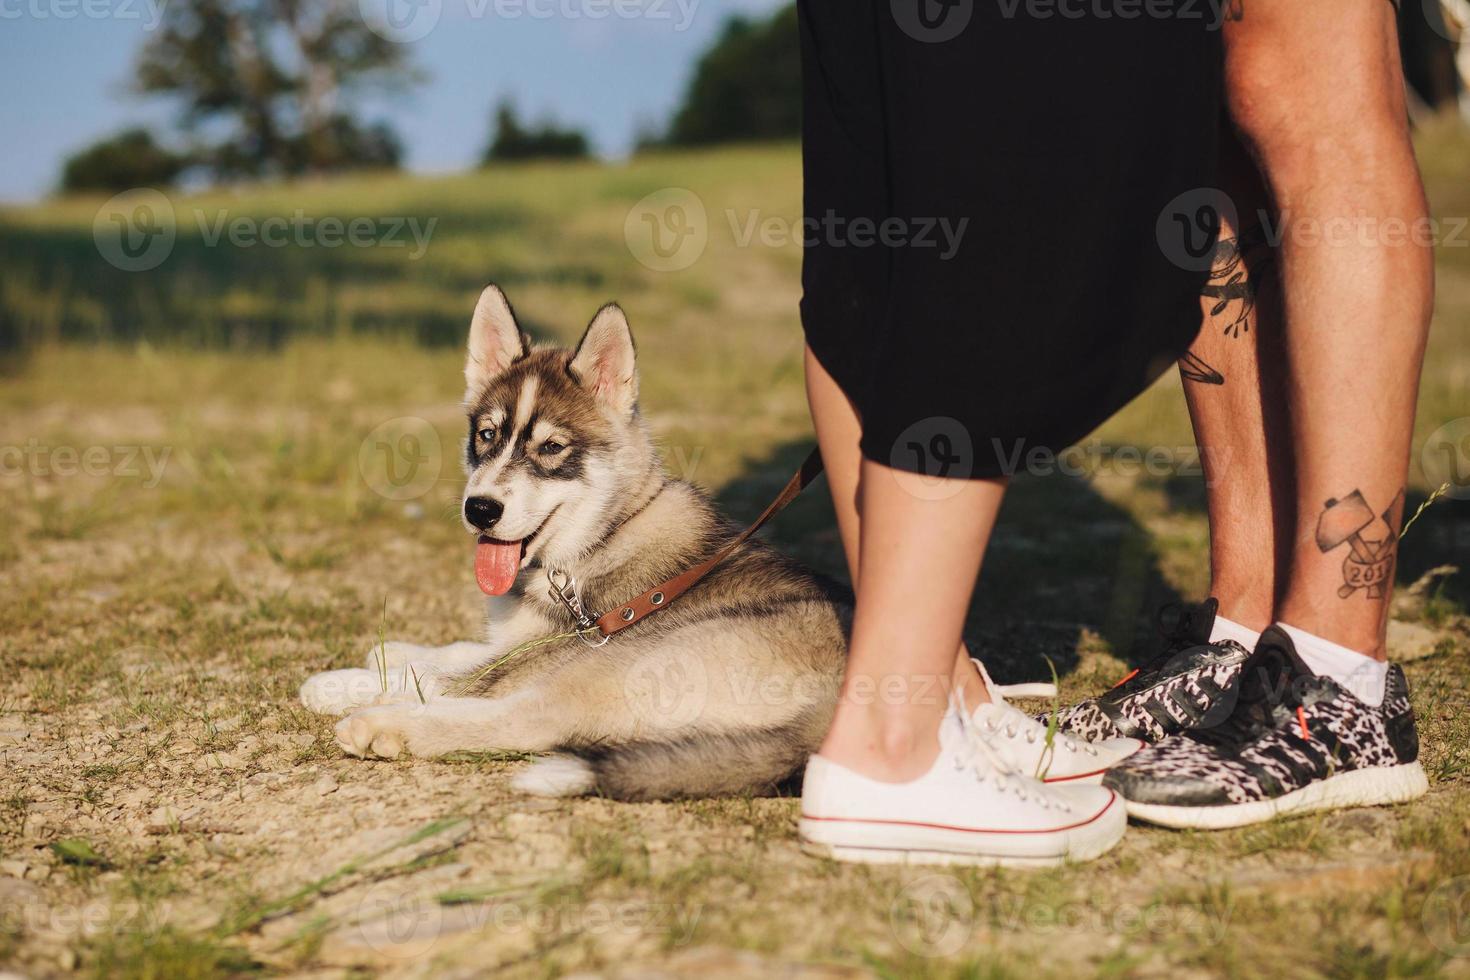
[[562, 587]]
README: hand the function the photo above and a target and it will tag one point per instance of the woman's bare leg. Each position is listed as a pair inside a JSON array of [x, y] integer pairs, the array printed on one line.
[[838, 432], [896, 771], [919, 559]]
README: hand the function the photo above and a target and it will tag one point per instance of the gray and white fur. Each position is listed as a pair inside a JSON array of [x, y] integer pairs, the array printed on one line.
[[726, 691]]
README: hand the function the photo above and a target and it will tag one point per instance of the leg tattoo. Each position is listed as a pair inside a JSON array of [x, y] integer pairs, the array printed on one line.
[[1369, 563], [1192, 367], [1240, 266]]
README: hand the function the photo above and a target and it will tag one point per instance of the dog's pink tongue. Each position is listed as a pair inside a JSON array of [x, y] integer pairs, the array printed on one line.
[[496, 565]]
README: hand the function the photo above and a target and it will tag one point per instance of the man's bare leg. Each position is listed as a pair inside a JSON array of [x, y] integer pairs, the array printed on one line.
[[1233, 384], [838, 432], [1323, 112]]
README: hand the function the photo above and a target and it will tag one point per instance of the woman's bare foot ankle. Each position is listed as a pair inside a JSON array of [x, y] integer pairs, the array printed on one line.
[[888, 743]]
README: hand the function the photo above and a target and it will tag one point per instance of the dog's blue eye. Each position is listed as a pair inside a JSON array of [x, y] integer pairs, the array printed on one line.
[[487, 434], [552, 448]]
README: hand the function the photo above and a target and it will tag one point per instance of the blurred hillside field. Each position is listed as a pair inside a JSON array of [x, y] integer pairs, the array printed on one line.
[[226, 471], [255, 271], [321, 294]]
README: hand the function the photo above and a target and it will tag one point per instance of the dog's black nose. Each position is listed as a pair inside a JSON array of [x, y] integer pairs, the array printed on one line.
[[483, 512]]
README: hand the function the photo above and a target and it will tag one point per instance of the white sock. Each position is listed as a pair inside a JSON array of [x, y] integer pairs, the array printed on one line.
[[1355, 672], [1229, 629]]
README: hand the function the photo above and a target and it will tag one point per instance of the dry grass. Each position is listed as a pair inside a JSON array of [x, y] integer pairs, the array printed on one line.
[[155, 622]]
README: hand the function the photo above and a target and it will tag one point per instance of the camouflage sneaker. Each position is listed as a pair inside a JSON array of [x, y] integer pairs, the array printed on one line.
[[1189, 685], [1294, 742]]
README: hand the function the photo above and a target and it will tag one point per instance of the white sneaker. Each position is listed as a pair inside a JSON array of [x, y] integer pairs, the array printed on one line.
[[971, 807], [1022, 739]]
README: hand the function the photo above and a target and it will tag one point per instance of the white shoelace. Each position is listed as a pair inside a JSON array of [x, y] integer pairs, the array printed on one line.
[[1014, 728], [1033, 731], [985, 761]]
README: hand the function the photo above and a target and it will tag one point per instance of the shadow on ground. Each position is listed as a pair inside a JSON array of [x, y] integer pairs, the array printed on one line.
[[1064, 564]]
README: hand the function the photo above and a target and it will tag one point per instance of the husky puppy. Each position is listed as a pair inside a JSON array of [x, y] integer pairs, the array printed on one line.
[[725, 691]]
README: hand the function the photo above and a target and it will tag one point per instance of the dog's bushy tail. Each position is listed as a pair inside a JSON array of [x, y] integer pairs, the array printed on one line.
[[697, 765]]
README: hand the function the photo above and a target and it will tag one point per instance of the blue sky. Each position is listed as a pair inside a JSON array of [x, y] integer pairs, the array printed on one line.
[[65, 68]]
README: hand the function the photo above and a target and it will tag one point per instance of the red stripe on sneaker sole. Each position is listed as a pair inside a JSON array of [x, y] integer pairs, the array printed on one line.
[[1112, 798], [1095, 772], [1080, 775]]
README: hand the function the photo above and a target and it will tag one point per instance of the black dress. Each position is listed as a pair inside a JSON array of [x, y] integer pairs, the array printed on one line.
[[1008, 216]]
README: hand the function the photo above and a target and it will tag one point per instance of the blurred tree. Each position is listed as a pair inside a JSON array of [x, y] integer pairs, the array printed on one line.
[[125, 160], [747, 86], [513, 141], [278, 77]]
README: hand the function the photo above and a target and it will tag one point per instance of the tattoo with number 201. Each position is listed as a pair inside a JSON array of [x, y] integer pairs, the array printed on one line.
[[1371, 538]]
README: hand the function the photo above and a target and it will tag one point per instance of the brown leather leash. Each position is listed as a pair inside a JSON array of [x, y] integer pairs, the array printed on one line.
[[662, 596]]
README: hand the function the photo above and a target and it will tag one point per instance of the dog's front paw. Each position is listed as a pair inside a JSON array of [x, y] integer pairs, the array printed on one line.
[[335, 692], [380, 732]]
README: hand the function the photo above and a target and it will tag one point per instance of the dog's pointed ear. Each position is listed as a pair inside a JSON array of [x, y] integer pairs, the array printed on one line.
[[496, 342], [605, 360]]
